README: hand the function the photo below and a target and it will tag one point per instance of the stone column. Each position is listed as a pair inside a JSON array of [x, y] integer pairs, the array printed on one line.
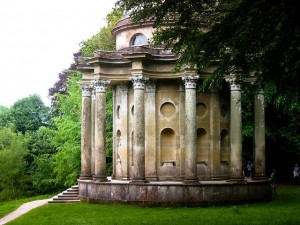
[[150, 132], [93, 132], [86, 132], [190, 128], [259, 136], [100, 135], [139, 128], [236, 168], [215, 135]]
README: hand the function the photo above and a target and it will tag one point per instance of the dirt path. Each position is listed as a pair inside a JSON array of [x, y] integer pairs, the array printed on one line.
[[22, 210]]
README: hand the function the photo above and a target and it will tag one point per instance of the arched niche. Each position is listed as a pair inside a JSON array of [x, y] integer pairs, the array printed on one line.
[[131, 147], [118, 145], [202, 145], [168, 146], [118, 111]]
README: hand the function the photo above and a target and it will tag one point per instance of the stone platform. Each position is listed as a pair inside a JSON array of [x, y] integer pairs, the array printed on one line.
[[170, 193]]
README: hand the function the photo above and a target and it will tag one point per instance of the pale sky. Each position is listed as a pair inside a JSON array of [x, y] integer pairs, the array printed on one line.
[[38, 39]]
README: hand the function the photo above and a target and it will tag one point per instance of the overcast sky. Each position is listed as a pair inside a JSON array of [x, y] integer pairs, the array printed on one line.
[[38, 39]]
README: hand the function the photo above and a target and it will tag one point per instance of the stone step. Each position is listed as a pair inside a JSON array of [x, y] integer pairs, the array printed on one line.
[[71, 195], [68, 194], [65, 198], [64, 201]]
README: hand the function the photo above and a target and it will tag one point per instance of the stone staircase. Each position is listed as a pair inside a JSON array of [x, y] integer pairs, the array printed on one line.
[[71, 195]]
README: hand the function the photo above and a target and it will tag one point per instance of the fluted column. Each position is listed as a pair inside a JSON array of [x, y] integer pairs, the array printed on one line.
[[100, 134], [259, 136], [190, 128], [86, 132], [236, 170], [139, 128]]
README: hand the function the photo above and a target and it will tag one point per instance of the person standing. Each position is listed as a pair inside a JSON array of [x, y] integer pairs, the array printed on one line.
[[273, 182], [296, 173], [249, 169]]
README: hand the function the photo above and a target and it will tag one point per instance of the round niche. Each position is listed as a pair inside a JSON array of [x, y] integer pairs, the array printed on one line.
[[224, 110], [201, 109], [168, 109]]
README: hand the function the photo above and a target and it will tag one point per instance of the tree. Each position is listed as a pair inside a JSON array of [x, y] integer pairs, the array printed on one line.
[[67, 134], [254, 37], [29, 114], [13, 176], [42, 161], [5, 117], [260, 36], [59, 86]]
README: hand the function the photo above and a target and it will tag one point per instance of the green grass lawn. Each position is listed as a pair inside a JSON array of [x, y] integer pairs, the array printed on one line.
[[283, 210], [7, 207]]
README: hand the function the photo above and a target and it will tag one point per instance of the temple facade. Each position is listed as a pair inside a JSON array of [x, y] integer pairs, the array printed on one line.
[[172, 144]]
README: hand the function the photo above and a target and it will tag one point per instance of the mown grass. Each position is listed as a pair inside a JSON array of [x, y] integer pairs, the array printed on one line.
[[7, 207], [284, 209]]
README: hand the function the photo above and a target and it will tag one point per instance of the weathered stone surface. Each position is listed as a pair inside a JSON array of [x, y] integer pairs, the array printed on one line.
[[174, 193], [172, 143]]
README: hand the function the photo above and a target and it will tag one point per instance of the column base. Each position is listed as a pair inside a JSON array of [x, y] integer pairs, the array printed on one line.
[[140, 180], [237, 180], [151, 178], [85, 177], [100, 179], [260, 177], [189, 180]]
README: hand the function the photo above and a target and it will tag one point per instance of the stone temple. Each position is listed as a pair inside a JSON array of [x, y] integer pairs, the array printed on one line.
[[173, 145]]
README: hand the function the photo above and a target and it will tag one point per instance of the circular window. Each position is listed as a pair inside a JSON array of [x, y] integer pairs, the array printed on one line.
[[167, 109], [138, 40]]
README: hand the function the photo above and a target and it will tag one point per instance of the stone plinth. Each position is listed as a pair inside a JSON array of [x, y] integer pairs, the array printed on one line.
[[159, 193]]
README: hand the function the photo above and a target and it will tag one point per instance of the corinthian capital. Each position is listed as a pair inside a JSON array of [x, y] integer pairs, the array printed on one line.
[[100, 85], [190, 81], [86, 90], [138, 81], [234, 84]]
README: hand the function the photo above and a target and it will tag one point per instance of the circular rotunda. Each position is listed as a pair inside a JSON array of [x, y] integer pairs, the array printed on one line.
[[173, 145]]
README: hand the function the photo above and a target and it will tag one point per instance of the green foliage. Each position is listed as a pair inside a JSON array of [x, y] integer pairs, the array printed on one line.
[[29, 114], [6, 118], [260, 38], [13, 177], [45, 155], [42, 161], [67, 133], [102, 40], [109, 134]]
